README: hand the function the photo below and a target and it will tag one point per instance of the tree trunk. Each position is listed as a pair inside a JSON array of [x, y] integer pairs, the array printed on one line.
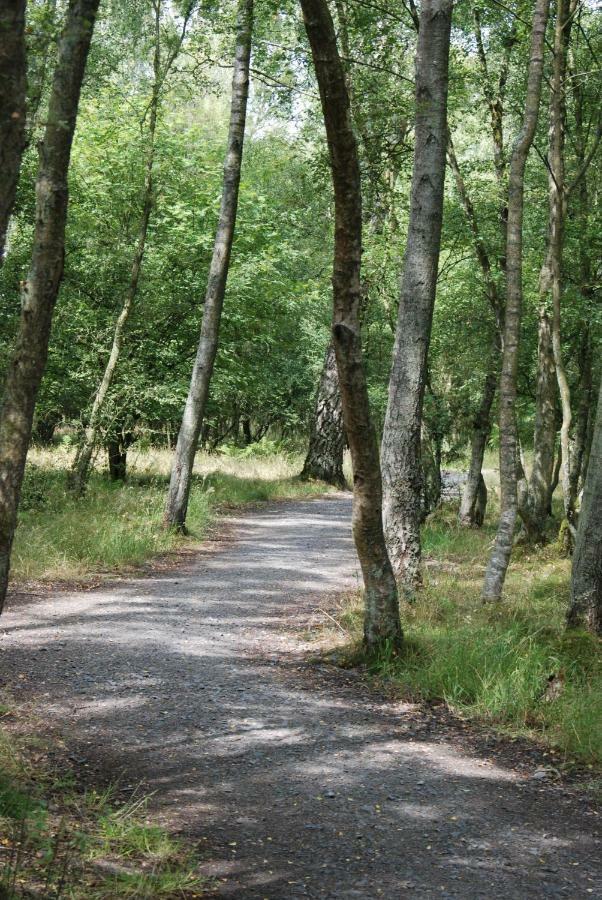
[[551, 276], [536, 503], [381, 613], [584, 411], [80, 472], [246, 431], [400, 452], [117, 449], [194, 410], [324, 458], [39, 291], [500, 555], [474, 495], [586, 580], [13, 70]]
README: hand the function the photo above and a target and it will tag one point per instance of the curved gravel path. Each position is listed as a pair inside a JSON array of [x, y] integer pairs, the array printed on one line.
[[293, 779]]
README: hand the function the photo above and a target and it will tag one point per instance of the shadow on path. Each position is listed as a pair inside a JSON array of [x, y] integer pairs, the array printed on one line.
[[293, 785]]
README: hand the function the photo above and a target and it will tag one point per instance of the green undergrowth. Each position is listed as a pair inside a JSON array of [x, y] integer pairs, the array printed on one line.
[[512, 665], [117, 525], [60, 842]]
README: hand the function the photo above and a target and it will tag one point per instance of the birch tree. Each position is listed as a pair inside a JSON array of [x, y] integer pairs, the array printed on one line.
[[381, 611], [586, 579], [40, 289], [194, 410], [502, 549], [400, 451], [324, 458]]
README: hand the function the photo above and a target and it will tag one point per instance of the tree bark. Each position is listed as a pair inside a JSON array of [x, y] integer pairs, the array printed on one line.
[[535, 505], [80, 472], [474, 495], [194, 410], [324, 458], [381, 611], [551, 276], [586, 581], [502, 549], [39, 291], [400, 451], [13, 70]]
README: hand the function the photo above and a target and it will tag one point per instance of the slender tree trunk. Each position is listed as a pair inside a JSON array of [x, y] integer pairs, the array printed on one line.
[[474, 495], [551, 276], [80, 472], [381, 617], [324, 458], [586, 402], [536, 502], [39, 291], [194, 410], [500, 555], [400, 451], [12, 106], [586, 580]]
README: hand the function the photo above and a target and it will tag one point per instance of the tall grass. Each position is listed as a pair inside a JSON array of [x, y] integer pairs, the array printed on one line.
[[497, 663], [115, 525]]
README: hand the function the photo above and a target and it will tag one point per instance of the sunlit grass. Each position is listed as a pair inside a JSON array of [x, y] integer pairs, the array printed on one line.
[[494, 663], [115, 525]]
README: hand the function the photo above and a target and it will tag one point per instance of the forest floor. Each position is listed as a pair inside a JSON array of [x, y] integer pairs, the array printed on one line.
[[204, 689]]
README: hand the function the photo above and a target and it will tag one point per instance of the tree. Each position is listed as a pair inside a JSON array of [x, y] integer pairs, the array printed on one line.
[[586, 578], [12, 106], [80, 472], [502, 549], [400, 452], [194, 410], [324, 458], [39, 291], [381, 611]]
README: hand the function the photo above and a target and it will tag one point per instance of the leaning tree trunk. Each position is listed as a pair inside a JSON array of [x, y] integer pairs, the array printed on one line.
[[537, 497], [324, 458], [586, 580], [381, 611], [400, 452], [12, 106], [194, 410], [502, 549], [80, 472], [39, 291]]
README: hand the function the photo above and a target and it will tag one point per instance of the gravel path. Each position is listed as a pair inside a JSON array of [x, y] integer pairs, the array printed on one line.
[[294, 780]]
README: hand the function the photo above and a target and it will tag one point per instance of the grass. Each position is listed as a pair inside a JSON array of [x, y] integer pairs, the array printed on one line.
[[58, 842], [513, 666], [116, 525]]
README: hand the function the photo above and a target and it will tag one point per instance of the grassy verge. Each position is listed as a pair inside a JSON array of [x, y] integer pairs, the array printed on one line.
[[513, 666], [58, 842], [118, 525]]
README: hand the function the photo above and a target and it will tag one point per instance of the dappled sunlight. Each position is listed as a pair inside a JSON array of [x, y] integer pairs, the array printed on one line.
[[187, 686]]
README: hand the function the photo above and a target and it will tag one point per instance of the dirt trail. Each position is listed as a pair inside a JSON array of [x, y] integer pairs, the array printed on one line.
[[295, 781]]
